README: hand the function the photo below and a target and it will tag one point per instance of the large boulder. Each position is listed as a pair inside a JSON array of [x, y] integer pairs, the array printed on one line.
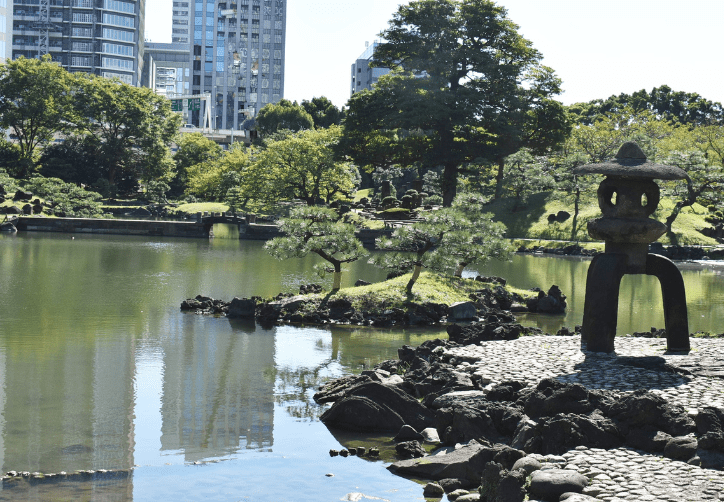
[[466, 462], [375, 407], [495, 422], [502, 485], [550, 484], [645, 409], [242, 308], [552, 397], [461, 311], [564, 432], [23, 195]]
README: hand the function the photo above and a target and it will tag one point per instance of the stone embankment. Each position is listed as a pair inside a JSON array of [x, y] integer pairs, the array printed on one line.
[[679, 253]]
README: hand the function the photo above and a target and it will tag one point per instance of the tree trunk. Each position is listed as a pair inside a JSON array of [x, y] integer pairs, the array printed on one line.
[[574, 223], [337, 281], [415, 275], [449, 184], [459, 270], [499, 179]]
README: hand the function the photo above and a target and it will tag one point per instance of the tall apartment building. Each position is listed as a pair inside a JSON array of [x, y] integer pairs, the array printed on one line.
[[363, 75], [103, 37], [6, 30], [237, 55]]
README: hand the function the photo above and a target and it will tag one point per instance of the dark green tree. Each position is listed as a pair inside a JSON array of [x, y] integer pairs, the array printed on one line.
[[132, 128], [323, 112], [35, 103], [317, 230], [465, 85], [284, 114], [193, 149]]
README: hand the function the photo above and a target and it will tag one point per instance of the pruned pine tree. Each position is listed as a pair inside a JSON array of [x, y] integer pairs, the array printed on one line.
[[445, 240], [409, 246], [473, 236], [317, 230]]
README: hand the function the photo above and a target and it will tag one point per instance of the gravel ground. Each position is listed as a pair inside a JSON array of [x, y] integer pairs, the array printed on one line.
[[623, 473]]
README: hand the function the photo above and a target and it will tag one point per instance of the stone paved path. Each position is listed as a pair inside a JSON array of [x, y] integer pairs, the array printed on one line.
[[622, 474]]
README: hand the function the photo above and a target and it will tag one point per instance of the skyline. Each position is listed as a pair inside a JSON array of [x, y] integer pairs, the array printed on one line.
[[598, 48]]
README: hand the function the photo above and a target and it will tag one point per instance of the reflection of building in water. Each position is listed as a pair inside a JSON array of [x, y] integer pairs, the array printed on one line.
[[218, 392], [67, 406]]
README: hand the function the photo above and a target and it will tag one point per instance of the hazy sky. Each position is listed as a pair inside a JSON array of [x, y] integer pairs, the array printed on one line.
[[598, 47]]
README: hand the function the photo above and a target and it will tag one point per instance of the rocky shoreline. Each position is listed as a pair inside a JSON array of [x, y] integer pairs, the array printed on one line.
[[680, 253], [491, 299], [533, 416]]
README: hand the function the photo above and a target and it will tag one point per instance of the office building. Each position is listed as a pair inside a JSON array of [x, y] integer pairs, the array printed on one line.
[[167, 69], [237, 56], [103, 37], [363, 75]]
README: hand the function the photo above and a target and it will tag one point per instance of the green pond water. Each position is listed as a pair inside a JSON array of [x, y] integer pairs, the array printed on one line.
[[99, 369]]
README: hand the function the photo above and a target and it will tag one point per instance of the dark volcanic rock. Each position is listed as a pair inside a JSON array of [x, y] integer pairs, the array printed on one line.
[[467, 463], [644, 409], [407, 433], [242, 308], [564, 432], [681, 448], [550, 484], [372, 406], [647, 439], [501, 485], [409, 449], [483, 331], [335, 389], [552, 397]]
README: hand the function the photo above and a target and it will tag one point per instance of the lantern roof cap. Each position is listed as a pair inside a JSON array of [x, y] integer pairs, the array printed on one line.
[[631, 162]]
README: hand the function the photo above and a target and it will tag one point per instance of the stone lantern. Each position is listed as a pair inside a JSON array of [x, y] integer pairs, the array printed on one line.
[[627, 197]]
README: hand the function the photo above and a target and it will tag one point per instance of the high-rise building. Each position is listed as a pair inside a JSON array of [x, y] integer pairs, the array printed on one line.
[[6, 30], [103, 37], [237, 56], [363, 75]]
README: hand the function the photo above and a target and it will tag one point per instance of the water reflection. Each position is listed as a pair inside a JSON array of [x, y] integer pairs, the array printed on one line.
[[100, 370]]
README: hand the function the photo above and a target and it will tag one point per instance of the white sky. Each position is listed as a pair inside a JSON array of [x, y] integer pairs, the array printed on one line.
[[598, 47]]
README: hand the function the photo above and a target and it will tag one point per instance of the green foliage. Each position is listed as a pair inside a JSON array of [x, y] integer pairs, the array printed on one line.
[[465, 85], [193, 149], [317, 230], [303, 166], [156, 191], [65, 199], [284, 114], [663, 102], [323, 112], [35, 103], [525, 175], [7, 182], [213, 179]]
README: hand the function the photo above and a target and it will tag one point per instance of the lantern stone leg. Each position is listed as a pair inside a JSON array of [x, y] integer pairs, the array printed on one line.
[[600, 311], [673, 292]]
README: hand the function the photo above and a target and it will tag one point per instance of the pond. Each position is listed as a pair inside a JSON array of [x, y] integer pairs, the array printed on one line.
[[99, 369]]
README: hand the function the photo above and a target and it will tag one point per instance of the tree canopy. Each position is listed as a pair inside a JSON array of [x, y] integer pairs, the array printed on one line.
[[323, 112], [284, 114], [465, 85], [317, 230], [663, 102]]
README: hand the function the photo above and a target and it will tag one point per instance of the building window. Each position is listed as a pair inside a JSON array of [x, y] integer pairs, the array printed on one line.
[[126, 79], [123, 36], [121, 50], [116, 20], [84, 4], [80, 61], [82, 32], [119, 6], [83, 46], [121, 64], [82, 17]]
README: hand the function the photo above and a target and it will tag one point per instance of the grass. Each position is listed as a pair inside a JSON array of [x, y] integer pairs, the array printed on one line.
[[429, 288], [198, 207], [366, 192], [531, 222]]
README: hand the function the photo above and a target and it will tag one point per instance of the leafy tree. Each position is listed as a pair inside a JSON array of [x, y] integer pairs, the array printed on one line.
[[525, 175], [409, 246], [317, 230], [283, 115], [702, 178], [303, 166], [465, 85], [131, 126], [473, 236], [212, 179], [75, 160], [66, 199], [35, 104], [193, 149], [570, 186], [665, 103], [323, 112]]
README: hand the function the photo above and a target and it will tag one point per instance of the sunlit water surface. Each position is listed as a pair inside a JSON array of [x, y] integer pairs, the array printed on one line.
[[100, 370]]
